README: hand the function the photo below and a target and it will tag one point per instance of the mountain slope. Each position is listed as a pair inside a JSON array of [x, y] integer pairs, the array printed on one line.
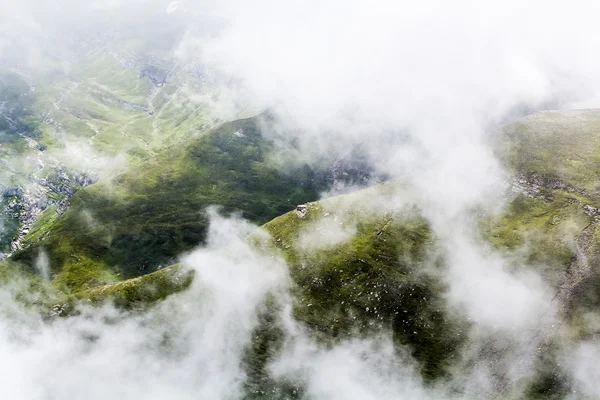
[[147, 217], [93, 110], [359, 263]]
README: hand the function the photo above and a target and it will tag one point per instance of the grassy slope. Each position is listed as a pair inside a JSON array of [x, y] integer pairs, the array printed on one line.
[[538, 232], [108, 104], [374, 279], [562, 145], [153, 213], [380, 278], [359, 285], [561, 151], [377, 279], [100, 103], [16, 117], [135, 293]]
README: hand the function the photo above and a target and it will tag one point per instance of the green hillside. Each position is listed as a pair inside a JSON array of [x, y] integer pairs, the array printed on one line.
[[148, 216], [358, 265]]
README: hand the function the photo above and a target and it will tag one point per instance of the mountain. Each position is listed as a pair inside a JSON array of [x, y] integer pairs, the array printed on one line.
[[359, 263], [145, 218], [298, 201]]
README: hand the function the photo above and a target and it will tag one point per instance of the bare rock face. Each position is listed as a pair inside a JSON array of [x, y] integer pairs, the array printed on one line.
[[158, 76], [351, 171], [301, 210]]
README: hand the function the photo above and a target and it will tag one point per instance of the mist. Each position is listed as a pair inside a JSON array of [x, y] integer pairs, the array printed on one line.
[[416, 86]]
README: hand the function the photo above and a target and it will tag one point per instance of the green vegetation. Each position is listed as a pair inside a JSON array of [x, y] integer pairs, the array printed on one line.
[[27, 288], [267, 342], [377, 279], [539, 233], [41, 226], [118, 238], [557, 145], [16, 100], [108, 104], [100, 103], [135, 293], [152, 214], [559, 150]]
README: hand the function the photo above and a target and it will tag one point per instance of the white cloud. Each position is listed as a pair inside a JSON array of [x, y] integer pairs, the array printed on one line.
[[417, 84]]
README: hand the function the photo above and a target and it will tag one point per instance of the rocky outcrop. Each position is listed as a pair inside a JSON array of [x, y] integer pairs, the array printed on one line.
[[158, 76], [536, 186], [25, 203], [301, 210]]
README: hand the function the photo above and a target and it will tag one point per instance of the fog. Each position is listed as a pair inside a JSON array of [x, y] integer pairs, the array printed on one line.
[[418, 87]]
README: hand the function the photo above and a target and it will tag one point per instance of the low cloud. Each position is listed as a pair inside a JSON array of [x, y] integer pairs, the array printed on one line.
[[326, 233], [418, 85]]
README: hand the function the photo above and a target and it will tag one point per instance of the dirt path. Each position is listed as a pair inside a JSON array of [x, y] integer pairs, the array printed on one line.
[[578, 270]]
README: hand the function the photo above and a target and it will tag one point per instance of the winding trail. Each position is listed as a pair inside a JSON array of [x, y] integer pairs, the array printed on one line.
[[578, 270]]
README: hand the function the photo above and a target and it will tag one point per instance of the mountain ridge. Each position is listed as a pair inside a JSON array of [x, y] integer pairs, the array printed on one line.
[[361, 263]]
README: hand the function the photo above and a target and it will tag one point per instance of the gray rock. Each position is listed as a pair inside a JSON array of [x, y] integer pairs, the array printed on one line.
[[301, 210], [158, 76]]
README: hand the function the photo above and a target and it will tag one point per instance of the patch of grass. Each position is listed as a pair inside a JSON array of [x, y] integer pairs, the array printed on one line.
[[563, 145], [27, 289], [80, 272], [41, 226], [142, 291], [376, 280], [541, 232]]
